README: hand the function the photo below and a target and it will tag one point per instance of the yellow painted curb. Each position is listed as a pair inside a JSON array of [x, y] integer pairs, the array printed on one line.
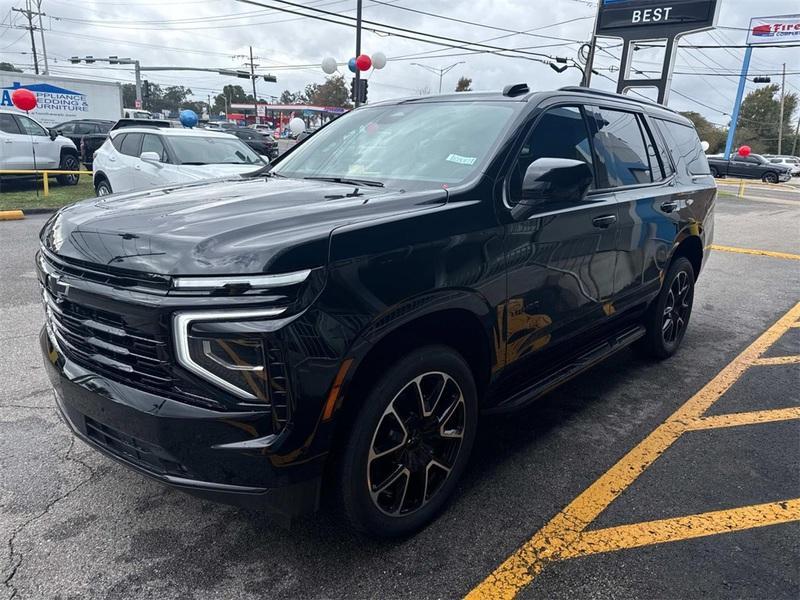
[[11, 215]]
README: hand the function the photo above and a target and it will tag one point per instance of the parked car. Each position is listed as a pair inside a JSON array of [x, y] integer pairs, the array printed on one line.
[[76, 129], [264, 128], [346, 314], [752, 166], [27, 144], [308, 131], [258, 141], [139, 158], [90, 143], [792, 162]]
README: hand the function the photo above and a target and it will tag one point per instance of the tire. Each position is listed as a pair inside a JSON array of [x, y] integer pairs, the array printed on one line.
[[389, 495], [102, 188], [69, 162], [770, 178], [667, 317], [714, 172]]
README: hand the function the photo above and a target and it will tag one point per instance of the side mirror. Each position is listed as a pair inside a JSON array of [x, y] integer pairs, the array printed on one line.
[[552, 180], [265, 158], [53, 134], [153, 157]]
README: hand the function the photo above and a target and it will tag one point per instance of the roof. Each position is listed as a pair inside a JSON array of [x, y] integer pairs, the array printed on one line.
[[173, 132]]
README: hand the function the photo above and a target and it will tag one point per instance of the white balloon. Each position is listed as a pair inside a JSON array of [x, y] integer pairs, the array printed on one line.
[[378, 60], [329, 65], [297, 125], [705, 145]]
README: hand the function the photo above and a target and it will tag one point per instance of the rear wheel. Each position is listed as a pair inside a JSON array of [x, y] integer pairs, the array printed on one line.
[[770, 178], [714, 172], [102, 188], [668, 315], [69, 162], [409, 444]]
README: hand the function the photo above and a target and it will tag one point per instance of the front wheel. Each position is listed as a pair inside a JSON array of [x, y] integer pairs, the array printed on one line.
[[102, 188], [714, 172], [668, 316], [409, 444], [69, 162], [770, 178]]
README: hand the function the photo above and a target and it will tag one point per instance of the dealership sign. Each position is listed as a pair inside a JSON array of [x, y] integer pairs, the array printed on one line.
[[659, 18], [774, 30], [49, 97]]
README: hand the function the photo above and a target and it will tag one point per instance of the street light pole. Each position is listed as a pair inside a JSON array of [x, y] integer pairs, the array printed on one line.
[[783, 99], [358, 53], [440, 72]]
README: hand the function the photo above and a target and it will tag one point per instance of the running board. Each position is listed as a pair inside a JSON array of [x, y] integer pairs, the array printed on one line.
[[563, 372]]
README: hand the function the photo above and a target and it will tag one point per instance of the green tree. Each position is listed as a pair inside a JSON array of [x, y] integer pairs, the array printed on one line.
[[464, 84], [759, 117], [288, 97], [6, 66], [708, 131], [334, 92]]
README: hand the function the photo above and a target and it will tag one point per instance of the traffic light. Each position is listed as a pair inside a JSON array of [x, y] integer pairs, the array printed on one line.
[[145, 89], [270, 78], [761, 80], [360, 95]]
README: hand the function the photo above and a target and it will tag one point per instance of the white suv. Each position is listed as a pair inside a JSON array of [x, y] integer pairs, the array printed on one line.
[[21, 136], [790, 161], [137, 158]]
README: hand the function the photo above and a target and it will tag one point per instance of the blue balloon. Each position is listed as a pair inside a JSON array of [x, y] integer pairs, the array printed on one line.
[[188, 118], [351, 64]]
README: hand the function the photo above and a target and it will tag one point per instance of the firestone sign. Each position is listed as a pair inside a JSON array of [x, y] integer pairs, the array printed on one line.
[[774, 30]]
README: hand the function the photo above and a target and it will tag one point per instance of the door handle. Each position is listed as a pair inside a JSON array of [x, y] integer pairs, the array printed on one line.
[[605, 221], [669, 206]]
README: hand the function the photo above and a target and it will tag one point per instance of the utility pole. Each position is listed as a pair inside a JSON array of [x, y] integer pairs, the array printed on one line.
[[41, 33], [796, 133], [253, 79], [358, 52], [29, 14], [783, 97]]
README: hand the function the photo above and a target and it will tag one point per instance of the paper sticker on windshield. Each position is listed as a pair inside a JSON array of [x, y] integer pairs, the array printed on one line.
[[462, 160]]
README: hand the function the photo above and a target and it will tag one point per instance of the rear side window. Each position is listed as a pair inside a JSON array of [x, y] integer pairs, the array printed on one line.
[[620, 149], [84, 128], [8, 124], [117, 140], [685, 147], [131, 144]]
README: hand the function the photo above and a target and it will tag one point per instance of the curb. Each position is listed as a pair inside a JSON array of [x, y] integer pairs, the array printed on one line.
[[40, 211], [11, 215]]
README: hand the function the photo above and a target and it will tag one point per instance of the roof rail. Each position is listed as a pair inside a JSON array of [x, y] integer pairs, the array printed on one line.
[[516, 89], [596, 92]]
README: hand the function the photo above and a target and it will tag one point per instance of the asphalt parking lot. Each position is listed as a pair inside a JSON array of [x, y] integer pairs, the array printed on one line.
[[678, 479]]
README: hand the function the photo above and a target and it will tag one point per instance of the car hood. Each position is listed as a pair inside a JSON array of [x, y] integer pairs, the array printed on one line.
[[232, 226]]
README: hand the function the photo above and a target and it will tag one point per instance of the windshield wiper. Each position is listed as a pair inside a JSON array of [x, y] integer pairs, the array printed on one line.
[[348, 181]]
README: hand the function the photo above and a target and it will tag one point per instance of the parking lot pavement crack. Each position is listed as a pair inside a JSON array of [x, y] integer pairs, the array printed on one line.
[[15, 558]]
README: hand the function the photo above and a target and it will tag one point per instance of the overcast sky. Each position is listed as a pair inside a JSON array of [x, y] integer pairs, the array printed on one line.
[[217, 33]]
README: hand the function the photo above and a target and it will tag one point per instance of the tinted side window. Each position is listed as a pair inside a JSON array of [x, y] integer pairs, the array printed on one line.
[[621, 154], [66, 128], [685, 147], [117, 140], [84, 128], [131, 144], [8, 124], [660, 163], [560, 133], [104, 127]]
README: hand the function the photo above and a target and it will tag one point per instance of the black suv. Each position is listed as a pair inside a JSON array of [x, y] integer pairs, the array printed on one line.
[[345, 314]]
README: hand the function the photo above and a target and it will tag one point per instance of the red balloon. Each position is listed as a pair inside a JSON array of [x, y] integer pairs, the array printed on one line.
[[363, 62], [744, 151], [23, 99]]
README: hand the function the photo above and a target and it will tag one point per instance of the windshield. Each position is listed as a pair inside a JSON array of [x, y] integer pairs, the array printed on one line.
[[196, 150], [427, 143]]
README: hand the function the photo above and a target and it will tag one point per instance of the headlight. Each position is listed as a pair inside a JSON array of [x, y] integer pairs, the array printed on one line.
[[237, 365]]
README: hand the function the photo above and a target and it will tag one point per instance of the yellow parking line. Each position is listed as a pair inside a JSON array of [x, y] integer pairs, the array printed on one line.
[[756, 252], [555, 539], [684, 528], [777, 360], [745, 418]]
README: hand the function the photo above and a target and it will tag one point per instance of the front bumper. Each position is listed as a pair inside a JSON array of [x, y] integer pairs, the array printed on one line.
[[197, 450]]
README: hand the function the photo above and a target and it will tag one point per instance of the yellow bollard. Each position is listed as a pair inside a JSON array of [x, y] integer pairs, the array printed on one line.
[[741, 189], [46, 182]]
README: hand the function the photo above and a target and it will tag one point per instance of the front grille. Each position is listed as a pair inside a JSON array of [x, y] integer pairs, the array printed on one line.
[[99, 274], [99, 340], [143, 454]]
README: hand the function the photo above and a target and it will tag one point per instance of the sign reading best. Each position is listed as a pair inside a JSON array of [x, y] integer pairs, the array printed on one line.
[[618, 16]]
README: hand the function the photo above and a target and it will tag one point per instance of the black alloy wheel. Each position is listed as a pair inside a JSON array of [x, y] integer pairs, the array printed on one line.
[[409, 444], [69, 162], [770, 178], [668, 316]]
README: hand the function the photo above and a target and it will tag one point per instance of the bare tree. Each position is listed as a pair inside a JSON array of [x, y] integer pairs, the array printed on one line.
[[424, 91]]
